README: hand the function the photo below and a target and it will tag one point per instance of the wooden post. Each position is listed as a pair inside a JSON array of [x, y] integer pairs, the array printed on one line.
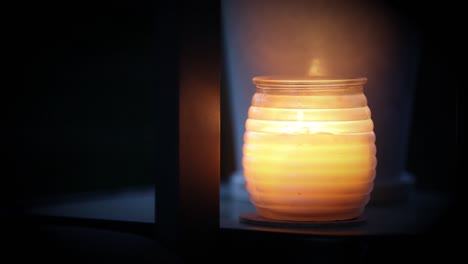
[[189, 74]]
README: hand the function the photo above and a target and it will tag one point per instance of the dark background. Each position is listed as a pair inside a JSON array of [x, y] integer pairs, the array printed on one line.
[[81, 111], [81, 115]]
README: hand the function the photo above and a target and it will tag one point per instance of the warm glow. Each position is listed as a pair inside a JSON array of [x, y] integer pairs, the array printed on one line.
[[309, 149], [315, 69]]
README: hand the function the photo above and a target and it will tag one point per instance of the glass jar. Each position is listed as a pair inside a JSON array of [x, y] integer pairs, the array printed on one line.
[[309, 149]]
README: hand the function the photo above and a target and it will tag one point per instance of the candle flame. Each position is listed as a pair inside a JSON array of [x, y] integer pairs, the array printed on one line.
[[300, 115], [315, 69]]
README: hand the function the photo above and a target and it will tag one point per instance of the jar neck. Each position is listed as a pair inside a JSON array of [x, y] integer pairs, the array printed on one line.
[[308, 85]]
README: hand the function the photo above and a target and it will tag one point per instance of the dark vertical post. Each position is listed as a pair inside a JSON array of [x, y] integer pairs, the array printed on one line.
[[187, 189]]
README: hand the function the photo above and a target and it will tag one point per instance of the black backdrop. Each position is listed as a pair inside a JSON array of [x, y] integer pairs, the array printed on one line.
[[81, 113]]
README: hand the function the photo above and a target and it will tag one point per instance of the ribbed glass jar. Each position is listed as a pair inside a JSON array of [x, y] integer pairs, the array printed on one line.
[[309, 149]]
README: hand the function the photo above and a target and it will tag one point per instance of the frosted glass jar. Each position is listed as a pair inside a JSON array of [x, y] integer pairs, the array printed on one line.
[[309, 149]]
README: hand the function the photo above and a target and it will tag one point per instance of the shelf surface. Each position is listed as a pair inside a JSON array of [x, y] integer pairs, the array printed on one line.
[[419, 214]]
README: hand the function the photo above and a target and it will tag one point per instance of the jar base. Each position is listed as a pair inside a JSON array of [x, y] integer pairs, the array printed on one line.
[[256, 219]]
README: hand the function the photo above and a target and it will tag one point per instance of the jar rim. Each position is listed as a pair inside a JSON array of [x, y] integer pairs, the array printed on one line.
[[284, 81]]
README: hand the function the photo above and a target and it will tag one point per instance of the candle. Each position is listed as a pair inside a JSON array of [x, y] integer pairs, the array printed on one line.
[[309, 149]]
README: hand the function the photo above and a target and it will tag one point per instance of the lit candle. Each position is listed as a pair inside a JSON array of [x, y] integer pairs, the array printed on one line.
[[309, 149]]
